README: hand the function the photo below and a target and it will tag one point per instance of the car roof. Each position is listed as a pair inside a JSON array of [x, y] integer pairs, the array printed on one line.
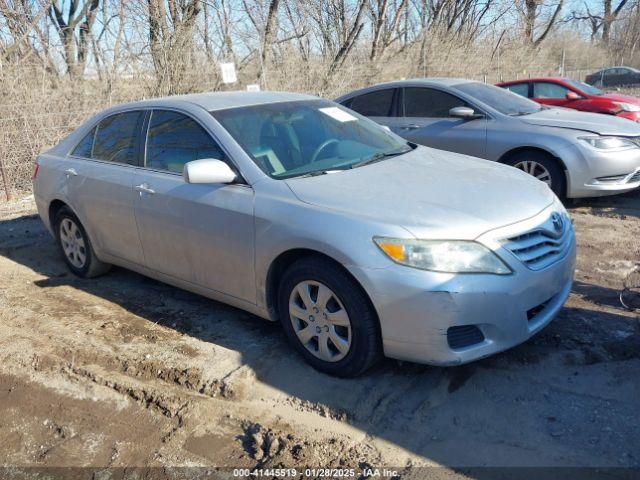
[[221, 100], [535, 79], [426, 82]]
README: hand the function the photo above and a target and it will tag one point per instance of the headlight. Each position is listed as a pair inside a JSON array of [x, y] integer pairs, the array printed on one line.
[[448, 256], [627, 107], [609, 143]]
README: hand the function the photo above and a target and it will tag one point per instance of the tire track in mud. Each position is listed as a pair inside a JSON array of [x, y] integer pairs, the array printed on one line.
[[227, 382]]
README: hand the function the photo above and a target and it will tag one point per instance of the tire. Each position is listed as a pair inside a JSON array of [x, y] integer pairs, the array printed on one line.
[[75, 246], [327, 322], [542, 164]]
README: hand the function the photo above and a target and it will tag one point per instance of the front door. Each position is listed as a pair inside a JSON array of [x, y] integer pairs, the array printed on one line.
[[552, 94], [198, 233], [426, 121]]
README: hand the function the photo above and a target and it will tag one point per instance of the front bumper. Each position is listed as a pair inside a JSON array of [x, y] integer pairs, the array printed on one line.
[[588, 170], [416, 308]]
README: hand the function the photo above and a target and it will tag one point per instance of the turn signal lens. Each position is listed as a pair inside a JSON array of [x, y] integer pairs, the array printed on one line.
[[395, 251]]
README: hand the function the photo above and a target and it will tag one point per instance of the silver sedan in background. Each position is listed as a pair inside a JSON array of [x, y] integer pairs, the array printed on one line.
[[301, 211], [577, 154]]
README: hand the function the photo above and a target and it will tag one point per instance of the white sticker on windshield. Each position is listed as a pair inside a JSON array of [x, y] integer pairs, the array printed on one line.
[[337, 114]]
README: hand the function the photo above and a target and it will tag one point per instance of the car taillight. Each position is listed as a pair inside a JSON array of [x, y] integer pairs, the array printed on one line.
[[35, 170]]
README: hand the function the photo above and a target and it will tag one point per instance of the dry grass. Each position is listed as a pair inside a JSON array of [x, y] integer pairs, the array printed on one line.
[[37, 110]]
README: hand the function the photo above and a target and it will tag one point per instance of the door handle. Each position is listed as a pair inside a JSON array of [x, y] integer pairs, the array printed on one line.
[[71, 172], [144, 188], [410, 126]]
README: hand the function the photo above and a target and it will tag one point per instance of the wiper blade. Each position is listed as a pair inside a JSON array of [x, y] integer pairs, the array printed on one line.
[[379, 156], [315, 173], [526, 112]]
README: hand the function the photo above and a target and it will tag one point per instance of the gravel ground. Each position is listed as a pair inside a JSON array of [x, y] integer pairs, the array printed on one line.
[[125, 371]]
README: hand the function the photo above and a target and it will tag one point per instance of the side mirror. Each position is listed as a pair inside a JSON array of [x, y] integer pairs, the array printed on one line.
[[572, 96], [208, 170], [465, 113]]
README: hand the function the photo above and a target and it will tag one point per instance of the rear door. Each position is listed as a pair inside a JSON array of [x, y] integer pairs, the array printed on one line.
[[424, 118], [611, 77], [197, 233], [99, 178]]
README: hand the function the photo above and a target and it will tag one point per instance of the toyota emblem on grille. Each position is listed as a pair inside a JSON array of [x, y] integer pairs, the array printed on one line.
[[558, 223]]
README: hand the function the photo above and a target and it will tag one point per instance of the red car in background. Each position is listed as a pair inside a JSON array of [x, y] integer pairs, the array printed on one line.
[[564, 92]]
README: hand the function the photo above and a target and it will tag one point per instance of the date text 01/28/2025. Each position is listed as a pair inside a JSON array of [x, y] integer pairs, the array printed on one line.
[[315, 472]]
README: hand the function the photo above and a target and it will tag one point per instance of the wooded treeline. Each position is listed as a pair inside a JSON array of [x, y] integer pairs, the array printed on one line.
[[171, 38]]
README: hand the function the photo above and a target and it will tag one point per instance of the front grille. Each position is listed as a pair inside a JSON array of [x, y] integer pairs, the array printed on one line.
[[635, 177], [464, 336], [542, 246]]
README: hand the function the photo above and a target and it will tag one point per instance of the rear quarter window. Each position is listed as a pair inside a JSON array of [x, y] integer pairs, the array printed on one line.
[[85, 147], [519, 88], [374, 104], [114, 139]]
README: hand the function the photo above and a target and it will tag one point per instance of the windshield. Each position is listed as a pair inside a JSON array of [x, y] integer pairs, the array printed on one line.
[[308, 137], [585, 87], [504, 101]]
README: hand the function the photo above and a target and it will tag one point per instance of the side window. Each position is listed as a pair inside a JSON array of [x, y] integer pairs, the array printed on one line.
[[174, 139], [429, 102], [116, 138], [85, 147], [374, 104], [520, 89], [549, 90]]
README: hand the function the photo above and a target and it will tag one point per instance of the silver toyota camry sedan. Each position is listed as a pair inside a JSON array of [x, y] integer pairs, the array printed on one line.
[[301, 211], [577, 154]]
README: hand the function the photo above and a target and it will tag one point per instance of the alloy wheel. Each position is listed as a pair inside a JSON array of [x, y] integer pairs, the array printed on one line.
[[535, 169], [73, 243], [320, 321]]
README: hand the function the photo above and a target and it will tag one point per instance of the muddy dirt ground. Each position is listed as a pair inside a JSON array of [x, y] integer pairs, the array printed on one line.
[[125, 371]]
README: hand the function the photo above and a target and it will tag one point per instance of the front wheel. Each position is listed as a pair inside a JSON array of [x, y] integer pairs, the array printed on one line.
[[328, 318], [542, 167]]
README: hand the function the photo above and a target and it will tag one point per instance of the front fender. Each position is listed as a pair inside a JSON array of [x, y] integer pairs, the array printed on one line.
[[282, 226]]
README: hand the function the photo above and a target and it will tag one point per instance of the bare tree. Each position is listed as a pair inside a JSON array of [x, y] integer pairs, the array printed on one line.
[[537, 15], [171, 25], [595, 20], [610, 14], [386, 21], [74, 25], [24, 24], [601, 20], [350, 28], [269, 29]]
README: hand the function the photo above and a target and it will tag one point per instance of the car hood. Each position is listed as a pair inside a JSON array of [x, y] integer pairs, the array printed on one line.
[[587, 122], [431, 193], [616, 97]]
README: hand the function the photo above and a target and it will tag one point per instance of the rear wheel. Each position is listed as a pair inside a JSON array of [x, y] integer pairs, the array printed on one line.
[[541, 166], [328, 318], [76, 247]]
